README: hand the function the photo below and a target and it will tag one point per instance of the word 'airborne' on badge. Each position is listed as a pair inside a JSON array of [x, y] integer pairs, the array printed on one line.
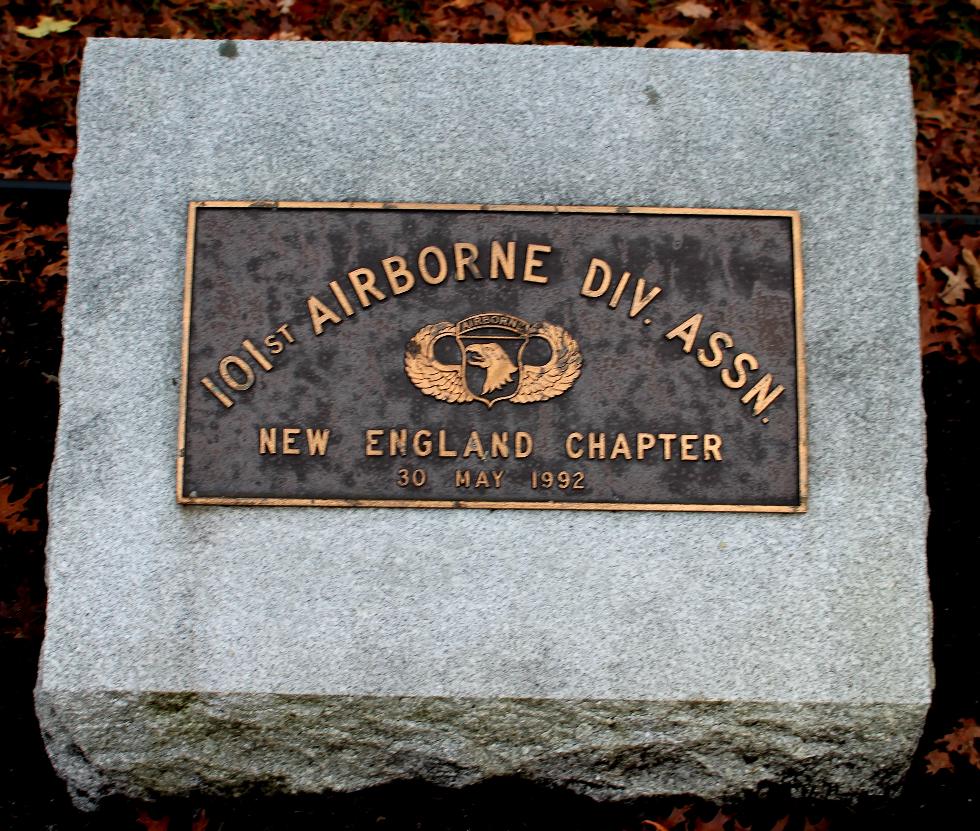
[[492, 367], [367, 354]]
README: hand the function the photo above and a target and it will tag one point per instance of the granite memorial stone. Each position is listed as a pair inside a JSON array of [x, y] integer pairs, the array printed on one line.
[[666, 299]]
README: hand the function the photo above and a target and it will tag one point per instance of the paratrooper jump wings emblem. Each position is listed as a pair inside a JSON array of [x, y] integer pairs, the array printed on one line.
[[491, 346]]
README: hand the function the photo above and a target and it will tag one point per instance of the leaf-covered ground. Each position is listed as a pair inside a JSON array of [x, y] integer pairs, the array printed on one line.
[[40, 58]]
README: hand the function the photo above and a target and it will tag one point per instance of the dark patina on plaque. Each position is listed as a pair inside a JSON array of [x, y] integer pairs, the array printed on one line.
[[492, 356]]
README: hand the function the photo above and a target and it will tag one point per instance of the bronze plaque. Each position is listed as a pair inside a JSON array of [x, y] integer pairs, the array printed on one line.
[[492, 356]]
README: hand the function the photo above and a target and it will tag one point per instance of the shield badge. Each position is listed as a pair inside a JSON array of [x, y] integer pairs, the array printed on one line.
[[492, 345]]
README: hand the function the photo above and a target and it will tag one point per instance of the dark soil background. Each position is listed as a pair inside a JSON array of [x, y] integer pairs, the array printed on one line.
[[38, 84]]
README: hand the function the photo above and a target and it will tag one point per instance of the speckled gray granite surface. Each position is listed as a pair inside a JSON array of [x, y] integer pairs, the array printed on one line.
[[618, 654]]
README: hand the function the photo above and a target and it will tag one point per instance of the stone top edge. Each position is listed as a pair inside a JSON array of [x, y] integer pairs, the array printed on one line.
[[97, 44], [910, 701]]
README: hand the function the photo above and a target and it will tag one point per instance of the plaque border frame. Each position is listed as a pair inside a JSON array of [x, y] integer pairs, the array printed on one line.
[[801, 401]]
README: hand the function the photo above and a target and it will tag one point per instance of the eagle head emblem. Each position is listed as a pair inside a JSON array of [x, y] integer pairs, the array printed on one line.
[[491, 357], [493, 342]]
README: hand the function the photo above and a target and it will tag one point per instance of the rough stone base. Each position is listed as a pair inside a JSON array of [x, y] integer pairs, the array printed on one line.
[[162, 744]]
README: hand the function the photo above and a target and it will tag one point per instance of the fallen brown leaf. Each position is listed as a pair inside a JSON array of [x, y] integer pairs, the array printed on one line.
[[45, 26], [956, 286], [963, 740], [677, 817], [938, 760], [716, 823], [200, 822], [658, 30], [972, 264], [518, 29], [689, 8], [151, 824], [12, 511]]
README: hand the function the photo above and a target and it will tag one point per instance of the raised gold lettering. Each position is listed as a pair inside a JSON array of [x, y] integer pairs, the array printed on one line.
[[474, 445], [224, 370], [641, 300], [422, 443], [742, 360], [501, 261], [371, 447], [620, 448], [445, 452], [320, 314], [424, 254], [398, 442], [210, 386], [617, 295], [465, 253], [260, 359], [687, 331], [687, 448], [761, 393], [644, 442], [267, 440], [499, 445], [588, 285], [399, 277], [597, 445], [342, 298], [316, 441], [289, 435], [523, 445], [712, 447], [363, 281], [717, 342], [531, 262]]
